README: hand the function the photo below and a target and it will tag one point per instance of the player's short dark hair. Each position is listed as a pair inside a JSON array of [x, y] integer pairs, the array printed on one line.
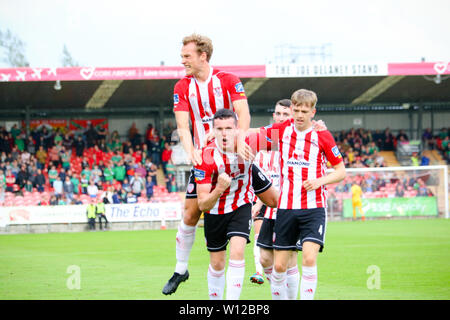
[[284, 103], [225, 114]]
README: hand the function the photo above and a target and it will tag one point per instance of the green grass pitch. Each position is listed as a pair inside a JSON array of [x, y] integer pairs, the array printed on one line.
[[412, 257]]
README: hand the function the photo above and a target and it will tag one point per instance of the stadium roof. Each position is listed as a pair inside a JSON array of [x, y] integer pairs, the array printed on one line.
[[148, 90]]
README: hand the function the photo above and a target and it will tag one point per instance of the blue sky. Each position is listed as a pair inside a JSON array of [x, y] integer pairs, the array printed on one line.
[[144, 33]]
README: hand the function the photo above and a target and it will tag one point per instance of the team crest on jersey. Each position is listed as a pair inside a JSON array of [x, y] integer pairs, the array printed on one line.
[[239, 87], [176, 99], [336, 152]]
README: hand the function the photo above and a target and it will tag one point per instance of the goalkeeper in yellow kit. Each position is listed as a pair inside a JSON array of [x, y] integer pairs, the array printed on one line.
[[356, 200]]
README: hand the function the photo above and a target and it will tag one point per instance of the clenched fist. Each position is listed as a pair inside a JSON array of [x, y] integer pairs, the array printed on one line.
[[223, 181]]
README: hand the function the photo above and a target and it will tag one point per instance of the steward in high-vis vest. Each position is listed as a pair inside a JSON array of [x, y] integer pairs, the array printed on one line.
[[101, 214], [91, 214]]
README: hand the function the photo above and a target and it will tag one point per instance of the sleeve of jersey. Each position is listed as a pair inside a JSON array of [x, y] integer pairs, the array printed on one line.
[[204, 172], [258, 142], [234, 87], [329, 147], [180, 102], [273, 133]]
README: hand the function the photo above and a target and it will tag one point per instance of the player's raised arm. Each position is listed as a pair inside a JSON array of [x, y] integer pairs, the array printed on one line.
[[243, 114]]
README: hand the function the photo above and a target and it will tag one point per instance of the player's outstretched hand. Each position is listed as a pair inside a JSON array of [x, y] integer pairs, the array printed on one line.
[[209, 137], [244, 150], [196, 157], [223, 181], [319, 125]]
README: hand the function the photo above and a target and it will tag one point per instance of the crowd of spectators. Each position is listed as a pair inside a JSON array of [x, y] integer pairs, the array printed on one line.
[[69, 165], [387, 184], [360, 147], [439, 142]]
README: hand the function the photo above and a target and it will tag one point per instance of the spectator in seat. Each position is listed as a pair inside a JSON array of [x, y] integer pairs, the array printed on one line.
[[402, 136], [399, 190], [58, 187], [91, 136], [428, 139], [116, 197], [126, 186], [424, 161], [39, 181], [166, 156], [52, 174], [76, 200], [65, 158], [131, 198], [53, 200], [137, 185], [22, 176], [415, 159], [149, 187], [79, 146], [41, 156], [153, 173], [120, 171], [171, 183], [76, 183], [388, 140], [28, 186], [108, 173], [10, 180], [141, 171], [84, 183], [68, 188], [422, 189], [92, 189], [54, 156]]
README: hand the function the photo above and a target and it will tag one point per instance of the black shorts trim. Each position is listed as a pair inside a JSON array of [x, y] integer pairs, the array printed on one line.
[[219, 228]]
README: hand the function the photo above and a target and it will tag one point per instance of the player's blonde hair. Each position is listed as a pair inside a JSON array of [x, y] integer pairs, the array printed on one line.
[[304, 97], [203, 43]]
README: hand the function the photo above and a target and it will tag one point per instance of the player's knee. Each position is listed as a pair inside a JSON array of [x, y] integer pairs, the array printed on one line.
[[191, 214], [309, 260], [265, 261], [218, 264], [279, 267]]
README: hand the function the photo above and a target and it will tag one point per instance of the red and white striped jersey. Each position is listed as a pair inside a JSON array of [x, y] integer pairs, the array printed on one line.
[[214, 162], [303, 156], [269, 162], [202, 100]]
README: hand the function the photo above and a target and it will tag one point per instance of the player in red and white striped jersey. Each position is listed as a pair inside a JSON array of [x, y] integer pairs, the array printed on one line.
[[197, 97], [301, 214], [225, 196], [267, 161]]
